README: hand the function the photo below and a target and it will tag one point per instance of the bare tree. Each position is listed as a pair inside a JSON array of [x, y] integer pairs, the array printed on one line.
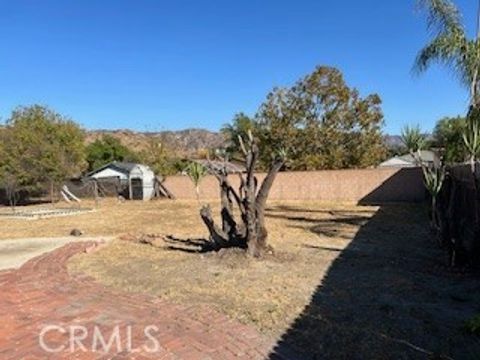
[[248, 231]]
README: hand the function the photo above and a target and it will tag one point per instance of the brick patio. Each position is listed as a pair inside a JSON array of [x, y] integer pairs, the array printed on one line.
[[41, 293]]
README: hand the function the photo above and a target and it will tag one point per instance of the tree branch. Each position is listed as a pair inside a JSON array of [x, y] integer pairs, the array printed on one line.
[[217, 236], [237, 198], [267, 183]]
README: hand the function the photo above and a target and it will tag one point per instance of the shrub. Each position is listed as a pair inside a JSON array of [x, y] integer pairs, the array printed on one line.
[[472, 326]]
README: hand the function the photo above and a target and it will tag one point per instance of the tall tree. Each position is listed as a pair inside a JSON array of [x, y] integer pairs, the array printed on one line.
[[322, 124], [9, 180], [451, 46], [40, 147], [238, 128], [448, 135]]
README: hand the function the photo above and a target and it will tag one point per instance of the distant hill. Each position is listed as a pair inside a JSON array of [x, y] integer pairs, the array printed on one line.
[[393, 141], [184, 142], [187, 142]]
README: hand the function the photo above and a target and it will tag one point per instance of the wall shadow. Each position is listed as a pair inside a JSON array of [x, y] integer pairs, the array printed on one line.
[[388, 295], [406, 185]]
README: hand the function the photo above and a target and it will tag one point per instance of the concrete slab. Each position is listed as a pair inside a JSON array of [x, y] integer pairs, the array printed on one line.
[[15, 252]]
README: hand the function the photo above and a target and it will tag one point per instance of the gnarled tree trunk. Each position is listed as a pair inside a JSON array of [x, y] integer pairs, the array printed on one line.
[[249, 230]]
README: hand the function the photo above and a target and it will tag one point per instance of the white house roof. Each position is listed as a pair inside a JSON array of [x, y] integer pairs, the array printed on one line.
[[425, 155], [122, 167], [396, 161], [408, 160]]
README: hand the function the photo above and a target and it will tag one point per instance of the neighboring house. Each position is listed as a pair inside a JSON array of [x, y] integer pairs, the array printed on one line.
[[428, 157], [138, 180]]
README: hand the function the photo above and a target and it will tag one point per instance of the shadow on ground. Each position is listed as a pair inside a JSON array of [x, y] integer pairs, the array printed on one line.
[[194, 246], [387, 295]]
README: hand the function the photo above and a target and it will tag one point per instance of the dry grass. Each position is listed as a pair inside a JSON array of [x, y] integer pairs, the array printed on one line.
[[346, 282], [269, 294], [110, 218]]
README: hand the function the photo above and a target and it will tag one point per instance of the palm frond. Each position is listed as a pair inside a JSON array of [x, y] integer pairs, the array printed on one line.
[[450, 49], [450, 45], [442, 16]]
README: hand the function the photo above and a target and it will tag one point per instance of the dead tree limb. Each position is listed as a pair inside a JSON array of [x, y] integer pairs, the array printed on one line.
[[249, 231]]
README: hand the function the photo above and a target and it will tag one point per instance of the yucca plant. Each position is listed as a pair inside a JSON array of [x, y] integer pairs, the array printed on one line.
[[196, 172], [471, 139], [433, 178], [414, 141]]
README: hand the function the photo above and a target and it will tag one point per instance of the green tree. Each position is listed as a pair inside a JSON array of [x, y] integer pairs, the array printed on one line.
[[239, 127], [40, 147], [321, 123], [161, 159], [448, 135], [9, 181], [106, 150], [451, 46]]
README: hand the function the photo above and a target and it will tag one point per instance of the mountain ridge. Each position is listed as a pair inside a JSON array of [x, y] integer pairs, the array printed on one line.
[[185, 142]]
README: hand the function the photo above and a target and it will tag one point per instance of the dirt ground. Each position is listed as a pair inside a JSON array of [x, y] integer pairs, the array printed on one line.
[[347, 282]]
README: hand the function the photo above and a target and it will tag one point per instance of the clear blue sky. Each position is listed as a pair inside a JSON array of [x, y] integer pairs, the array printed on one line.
[[154, 64]]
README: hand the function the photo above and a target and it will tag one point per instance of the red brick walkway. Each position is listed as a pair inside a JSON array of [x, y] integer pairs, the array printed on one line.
[[41, 293]]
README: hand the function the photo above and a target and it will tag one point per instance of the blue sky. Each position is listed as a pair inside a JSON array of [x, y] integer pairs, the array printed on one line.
[[156, 65]]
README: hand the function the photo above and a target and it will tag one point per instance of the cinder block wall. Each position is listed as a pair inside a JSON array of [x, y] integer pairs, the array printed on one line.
[[362, 186]]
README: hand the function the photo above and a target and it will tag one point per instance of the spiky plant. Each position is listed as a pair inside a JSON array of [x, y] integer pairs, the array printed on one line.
[[414, 141], [196, 172], [471, 139], [433, 178]]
